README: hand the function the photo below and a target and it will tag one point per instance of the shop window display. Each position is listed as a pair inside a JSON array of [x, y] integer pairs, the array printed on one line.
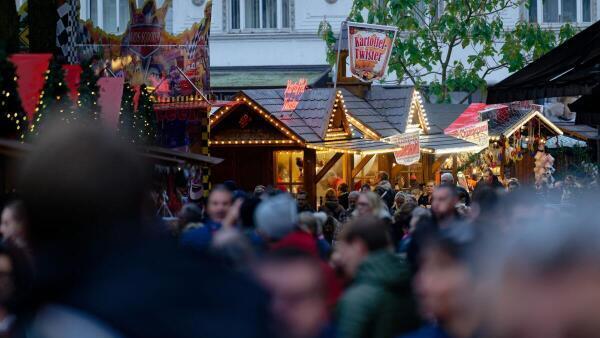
[[288, 170]]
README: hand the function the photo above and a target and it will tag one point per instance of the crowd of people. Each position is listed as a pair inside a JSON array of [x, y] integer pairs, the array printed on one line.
[[84, 256]]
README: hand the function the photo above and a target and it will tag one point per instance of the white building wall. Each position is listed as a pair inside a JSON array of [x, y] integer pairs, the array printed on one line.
[[298, 45]]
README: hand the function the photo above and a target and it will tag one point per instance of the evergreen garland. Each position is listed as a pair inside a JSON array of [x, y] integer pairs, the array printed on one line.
[[89, 93], [13, 120], [54, 100], [126, 114]]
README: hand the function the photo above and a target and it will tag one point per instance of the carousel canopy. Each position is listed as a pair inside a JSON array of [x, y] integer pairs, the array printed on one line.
[[570, 69]]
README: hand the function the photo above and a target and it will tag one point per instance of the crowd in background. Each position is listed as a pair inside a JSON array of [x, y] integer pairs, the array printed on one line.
[[84, 256]]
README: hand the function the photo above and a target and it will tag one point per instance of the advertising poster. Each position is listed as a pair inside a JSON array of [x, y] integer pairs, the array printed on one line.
[[145, 53], [409, 148], [370, 47], [476, 133]]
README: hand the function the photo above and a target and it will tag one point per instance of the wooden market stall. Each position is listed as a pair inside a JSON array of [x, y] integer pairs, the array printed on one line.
[[329, 137], [515, 132]]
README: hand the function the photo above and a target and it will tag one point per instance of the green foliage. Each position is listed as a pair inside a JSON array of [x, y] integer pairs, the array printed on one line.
[[13, 120], [54, 104], [326, 33], [127, 114], [433, 32], [89, 92], [145, 122]]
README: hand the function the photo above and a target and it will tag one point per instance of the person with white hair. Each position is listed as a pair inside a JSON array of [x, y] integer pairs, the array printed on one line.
[[447, 178]]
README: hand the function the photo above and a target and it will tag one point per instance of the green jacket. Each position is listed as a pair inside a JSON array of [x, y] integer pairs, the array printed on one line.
[[379, 303]]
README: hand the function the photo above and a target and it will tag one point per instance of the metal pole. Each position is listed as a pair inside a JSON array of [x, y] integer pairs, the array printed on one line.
[[192, 83], [337, 60]]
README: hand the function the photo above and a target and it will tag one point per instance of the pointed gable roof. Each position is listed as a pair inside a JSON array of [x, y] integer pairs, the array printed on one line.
[[386, 110], [310, 118]]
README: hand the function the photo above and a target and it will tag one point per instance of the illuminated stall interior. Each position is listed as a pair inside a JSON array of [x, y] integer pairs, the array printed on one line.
[[330, 137], [516, 131]]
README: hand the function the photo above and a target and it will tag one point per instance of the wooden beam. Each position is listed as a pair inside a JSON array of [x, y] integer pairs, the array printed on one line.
[[363, 162], [327, 167], [308, 171], [347, 168]]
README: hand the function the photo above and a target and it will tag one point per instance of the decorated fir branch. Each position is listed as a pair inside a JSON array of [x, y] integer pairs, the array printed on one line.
[[54, 101], [13, 120], [127, 114], [89, 93], [146, 119]]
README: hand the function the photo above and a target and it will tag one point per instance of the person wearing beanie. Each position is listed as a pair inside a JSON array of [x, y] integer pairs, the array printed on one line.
[[276, 217]]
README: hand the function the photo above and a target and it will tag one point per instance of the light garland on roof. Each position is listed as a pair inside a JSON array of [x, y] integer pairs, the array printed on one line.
[[253, 142], [416, 106], [267, 116]]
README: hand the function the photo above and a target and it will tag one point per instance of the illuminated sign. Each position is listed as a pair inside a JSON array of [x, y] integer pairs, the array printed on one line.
[[293, 93]]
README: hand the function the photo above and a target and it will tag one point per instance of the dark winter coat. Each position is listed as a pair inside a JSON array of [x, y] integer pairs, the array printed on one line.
[[334, 209], [379, 302]]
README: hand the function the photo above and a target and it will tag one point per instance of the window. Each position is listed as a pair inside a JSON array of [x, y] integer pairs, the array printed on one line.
[[559, 11], [288, 170], [113, 15], [259, 14]]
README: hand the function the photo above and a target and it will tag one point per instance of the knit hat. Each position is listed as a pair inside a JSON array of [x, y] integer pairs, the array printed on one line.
[[277, 216]]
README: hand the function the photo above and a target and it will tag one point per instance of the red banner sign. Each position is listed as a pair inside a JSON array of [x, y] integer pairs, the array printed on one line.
[[409, 148], [476, 133]]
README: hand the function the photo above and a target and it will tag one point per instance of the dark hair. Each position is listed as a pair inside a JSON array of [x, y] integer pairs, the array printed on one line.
[[384, 176], [190, 213], [22, 274], [369, 229], [343, 187], [458, 242], [451, 188], [230, 185], [221, 188], [82, 188], [247, 210]]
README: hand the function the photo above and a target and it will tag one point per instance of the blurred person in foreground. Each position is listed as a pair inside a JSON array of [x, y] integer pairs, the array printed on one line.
[[443, 205], [198, 238], [447, 285], [370, 204], [15, 283], [378, 303], [297, 285], [101, 270], [13, 224], [547, 278], [463, 194]]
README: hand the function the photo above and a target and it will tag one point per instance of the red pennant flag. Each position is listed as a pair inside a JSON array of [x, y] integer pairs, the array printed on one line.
[[111, 91], [31, 69], [72, 78]]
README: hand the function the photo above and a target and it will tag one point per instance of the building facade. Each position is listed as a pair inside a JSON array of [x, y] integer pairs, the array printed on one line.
[[269, 36]]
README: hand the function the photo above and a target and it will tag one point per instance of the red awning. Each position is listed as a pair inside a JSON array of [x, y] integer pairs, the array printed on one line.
[[469, 117]]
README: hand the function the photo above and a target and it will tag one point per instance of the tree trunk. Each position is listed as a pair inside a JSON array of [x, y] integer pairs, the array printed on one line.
[[42, 17], [9, 26]]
